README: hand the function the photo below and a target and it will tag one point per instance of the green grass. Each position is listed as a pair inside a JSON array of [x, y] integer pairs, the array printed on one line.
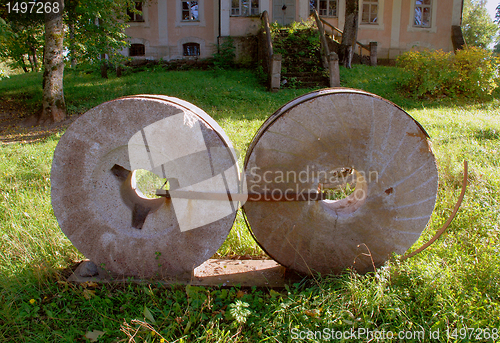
[[453, 284]]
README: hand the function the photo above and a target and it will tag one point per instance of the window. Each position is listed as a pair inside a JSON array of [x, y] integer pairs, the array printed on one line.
[[369, 12], [422, 13], [244, 7], [135, 17], [137, 50], [190, 11], [327, 8], [191, 49]]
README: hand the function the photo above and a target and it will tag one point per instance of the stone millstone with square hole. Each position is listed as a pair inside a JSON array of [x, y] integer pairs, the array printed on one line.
[[98, 207], [321, 141]]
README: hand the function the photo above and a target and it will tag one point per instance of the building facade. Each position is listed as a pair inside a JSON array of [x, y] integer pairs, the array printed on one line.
[[177, 29]]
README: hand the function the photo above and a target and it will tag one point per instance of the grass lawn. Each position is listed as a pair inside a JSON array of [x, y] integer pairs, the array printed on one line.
[[453, 286]]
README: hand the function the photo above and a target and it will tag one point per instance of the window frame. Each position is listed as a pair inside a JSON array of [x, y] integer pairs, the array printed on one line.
[[190, 12], [134, 47], [317, 7], [179, 22], [422, 6], [380, 24], [133, 16], [433, 21], [370, 3], [186, 46], [241, 6]]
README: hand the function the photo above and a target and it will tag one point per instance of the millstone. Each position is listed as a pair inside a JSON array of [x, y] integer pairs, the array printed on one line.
[[112, 223], [326, 139]]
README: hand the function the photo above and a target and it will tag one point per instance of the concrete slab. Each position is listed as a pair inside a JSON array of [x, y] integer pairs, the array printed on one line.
[[213, 272]]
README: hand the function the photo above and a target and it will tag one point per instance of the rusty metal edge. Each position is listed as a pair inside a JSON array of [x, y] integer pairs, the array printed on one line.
[[450, 219]]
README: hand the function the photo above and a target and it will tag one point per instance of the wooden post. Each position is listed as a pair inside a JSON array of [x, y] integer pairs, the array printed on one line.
[[275, 72], [373, 54], [333, 64]]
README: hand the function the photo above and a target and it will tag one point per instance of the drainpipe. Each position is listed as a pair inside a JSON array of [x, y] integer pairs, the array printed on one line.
[[220, 25], [461, 12]]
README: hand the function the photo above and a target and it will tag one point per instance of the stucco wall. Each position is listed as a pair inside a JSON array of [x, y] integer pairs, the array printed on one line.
[[438, 36], [395, 32], [243, 26], [163, 33]]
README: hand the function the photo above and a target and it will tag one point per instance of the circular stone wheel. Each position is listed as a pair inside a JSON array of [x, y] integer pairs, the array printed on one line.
[[321, 141], [96, 202]]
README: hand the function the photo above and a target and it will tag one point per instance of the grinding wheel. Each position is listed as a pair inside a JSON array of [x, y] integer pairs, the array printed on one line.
[[99, 207], [331, 137]]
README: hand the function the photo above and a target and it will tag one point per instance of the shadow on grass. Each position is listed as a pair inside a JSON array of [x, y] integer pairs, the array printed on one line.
[[224, 94]]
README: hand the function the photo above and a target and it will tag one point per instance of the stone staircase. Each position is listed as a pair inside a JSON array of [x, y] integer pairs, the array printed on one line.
[[301, 65], [304, 80]]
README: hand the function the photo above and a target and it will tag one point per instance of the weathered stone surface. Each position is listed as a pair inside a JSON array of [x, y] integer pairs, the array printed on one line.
[[88, 269], [97, 207], [213, 273], [323, 132]]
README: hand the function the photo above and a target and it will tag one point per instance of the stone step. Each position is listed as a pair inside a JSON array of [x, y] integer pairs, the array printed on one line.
[[304, 80]]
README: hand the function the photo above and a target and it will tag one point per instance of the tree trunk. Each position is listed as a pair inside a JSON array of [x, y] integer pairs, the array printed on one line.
[[104, 62], [32, 64], [35, 59], [104, 66], [70, 7], [350, 33], [23, 64], [54, 107], [72, 56]]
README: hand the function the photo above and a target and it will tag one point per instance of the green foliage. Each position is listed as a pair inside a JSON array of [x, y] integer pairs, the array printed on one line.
[[96, 28], [239, 311], [497, 20], [22, 40], [224, 57], [472, 72], [477, 26], [300, 48]]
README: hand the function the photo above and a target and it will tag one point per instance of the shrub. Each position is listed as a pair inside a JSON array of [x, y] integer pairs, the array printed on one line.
[[472, 72], [478, 71], [224, 57]]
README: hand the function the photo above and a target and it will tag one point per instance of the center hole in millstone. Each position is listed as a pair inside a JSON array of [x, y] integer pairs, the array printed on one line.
[[145, 183], [345, 190], [341, 184]]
